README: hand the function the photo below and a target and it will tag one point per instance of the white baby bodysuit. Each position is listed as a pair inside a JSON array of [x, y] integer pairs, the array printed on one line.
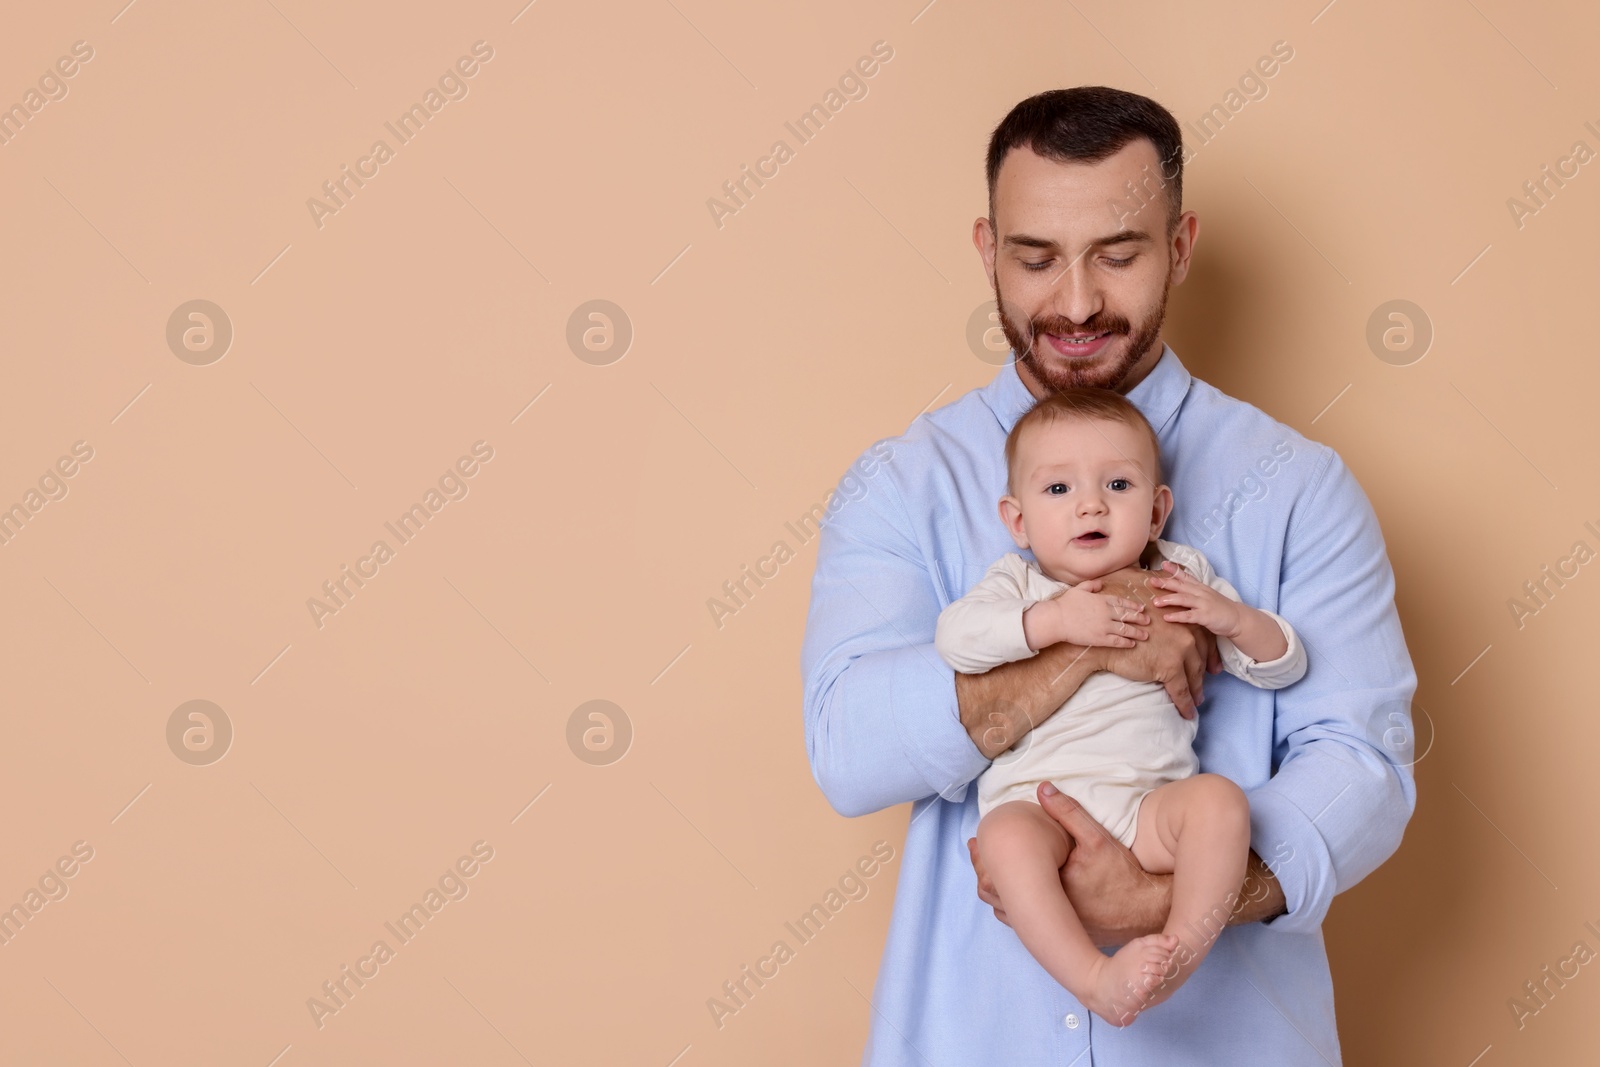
[[1114, 740]]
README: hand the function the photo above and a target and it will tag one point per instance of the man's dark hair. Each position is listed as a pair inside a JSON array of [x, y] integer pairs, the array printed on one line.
[[1086, 124]]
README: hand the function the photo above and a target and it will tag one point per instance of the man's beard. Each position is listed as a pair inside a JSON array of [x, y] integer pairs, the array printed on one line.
[[1105, 375]]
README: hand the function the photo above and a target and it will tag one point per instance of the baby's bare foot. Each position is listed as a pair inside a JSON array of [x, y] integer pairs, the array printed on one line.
[[1132, 980]]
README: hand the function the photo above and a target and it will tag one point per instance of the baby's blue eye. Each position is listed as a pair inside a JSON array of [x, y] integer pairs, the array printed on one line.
[[1119, 484], [1056, 488]]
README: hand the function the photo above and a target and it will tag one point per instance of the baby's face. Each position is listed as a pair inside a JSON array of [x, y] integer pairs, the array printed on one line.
[[1086, 501]]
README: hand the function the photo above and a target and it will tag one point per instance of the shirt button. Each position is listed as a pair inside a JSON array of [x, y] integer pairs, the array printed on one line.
[[1071, 1020]]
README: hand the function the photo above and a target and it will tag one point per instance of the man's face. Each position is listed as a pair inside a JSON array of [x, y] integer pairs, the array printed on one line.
[[1081, 265]]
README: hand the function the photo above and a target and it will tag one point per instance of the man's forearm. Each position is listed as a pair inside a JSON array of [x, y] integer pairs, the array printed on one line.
[[1260, 898], [1001, 705]]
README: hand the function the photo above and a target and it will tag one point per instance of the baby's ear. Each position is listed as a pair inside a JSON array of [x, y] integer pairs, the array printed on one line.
[[1011, 515], [1160, 511]]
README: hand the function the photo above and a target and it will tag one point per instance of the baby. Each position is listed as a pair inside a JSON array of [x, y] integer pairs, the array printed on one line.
[[1085, 494]]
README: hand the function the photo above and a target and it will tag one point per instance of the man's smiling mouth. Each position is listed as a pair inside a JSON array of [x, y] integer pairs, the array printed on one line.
[[1080, 345], [1083, 339]]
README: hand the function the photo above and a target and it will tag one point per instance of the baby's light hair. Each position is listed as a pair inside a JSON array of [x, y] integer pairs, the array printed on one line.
[[1080, 402]]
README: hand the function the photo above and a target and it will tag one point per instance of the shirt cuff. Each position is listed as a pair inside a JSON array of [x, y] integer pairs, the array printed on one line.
[[931, 733], [1289, 843]]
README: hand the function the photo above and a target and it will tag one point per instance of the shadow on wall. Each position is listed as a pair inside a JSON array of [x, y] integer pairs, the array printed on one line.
[[1209, 323], [1205, 314]]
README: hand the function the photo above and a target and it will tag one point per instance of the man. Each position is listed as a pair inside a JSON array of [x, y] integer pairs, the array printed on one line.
[[1085, 236]]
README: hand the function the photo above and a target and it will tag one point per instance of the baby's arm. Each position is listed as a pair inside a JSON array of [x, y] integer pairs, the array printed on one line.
[[983, 629], [998, 622], [1253, 631], [1258, 646]]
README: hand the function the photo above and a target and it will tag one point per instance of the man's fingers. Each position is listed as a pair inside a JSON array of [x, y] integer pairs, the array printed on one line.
[[1178, 690], [985, 887], [986, 891], [1194, 668], [1077, 822]]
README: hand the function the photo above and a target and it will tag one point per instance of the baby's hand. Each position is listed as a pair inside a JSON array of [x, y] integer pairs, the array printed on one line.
[[1206, 607], [1085, 616]]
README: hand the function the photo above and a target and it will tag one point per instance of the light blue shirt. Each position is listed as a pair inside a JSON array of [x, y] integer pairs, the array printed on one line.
[[1325, 763]]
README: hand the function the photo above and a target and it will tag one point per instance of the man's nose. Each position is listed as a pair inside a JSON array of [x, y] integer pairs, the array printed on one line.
[[1076, 292]]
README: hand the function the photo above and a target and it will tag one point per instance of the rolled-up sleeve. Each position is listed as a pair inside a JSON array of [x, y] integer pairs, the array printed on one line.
[[1343, 790], [881, 722]]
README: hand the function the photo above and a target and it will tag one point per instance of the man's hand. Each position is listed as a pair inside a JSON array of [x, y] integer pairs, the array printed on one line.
[[999, 706], [1081, 615], [1177, 654], [1116, 899]]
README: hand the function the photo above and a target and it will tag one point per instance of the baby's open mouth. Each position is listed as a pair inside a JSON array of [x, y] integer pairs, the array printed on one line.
[[1089, 538]]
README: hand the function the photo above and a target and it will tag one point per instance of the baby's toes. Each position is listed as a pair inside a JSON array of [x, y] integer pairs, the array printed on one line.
[[1155, 953]]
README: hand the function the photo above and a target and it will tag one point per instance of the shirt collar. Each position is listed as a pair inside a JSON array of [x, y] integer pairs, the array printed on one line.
[[1158, 396]]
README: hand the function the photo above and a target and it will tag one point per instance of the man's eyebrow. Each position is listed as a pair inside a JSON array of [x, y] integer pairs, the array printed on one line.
[[1121, 237]]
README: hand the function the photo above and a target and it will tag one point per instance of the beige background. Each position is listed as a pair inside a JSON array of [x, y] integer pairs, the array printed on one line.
[[368, 354]]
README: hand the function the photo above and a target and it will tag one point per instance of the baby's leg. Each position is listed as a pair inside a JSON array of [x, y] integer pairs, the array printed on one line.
[[1199, 829], [1023, 850]]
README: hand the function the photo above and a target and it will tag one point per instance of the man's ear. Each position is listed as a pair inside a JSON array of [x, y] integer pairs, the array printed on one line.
[[983, 240], [1160, 510], [1011, 515], [1183, 239]]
